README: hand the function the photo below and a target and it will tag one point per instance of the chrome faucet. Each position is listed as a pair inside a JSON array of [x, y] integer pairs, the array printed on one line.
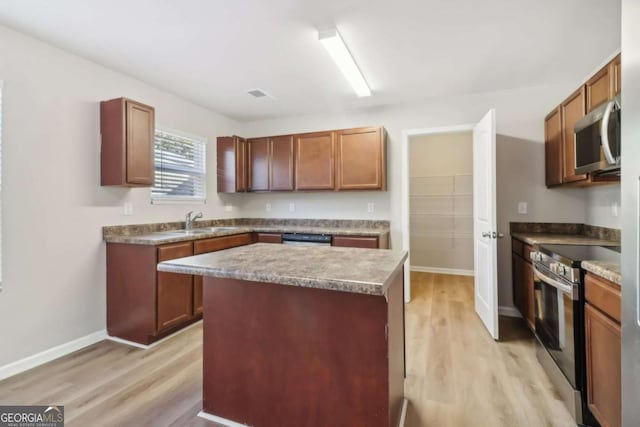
[[188, 220]]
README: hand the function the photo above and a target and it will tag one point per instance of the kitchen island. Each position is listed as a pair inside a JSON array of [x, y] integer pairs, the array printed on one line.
[[301, 336]]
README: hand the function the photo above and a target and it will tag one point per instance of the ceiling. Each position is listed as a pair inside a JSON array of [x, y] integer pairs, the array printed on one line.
[[212, 51]]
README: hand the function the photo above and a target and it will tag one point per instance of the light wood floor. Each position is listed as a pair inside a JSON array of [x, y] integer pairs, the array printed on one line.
[[456, 374]]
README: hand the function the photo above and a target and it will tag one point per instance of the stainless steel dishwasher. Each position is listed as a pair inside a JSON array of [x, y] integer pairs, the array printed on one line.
[[306, 239]]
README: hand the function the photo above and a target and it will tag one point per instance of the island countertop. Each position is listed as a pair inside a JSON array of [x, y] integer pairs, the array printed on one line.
[[354, 270]]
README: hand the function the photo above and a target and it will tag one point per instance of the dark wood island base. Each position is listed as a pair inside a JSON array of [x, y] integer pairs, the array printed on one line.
[[278, 355]]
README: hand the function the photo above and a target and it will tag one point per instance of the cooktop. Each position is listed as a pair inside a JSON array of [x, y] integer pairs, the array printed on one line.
[[574, 254]]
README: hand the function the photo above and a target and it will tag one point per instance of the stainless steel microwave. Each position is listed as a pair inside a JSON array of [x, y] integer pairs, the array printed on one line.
[[597, 140]]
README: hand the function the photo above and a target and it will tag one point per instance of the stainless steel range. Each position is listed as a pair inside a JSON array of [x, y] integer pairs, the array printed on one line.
[[559, 319]]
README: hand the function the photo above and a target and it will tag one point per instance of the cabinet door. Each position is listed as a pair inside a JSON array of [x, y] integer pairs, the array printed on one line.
[[175, 291], [231, 158], [197, 295], [258, 164], [600, 87], [140, 136], [572, 110], [355, 242], [554, 155], [269, 238], [616, 69], [281, 164], [361, 159], [517, 273], [603, 346], [528, 301], [315, 161]]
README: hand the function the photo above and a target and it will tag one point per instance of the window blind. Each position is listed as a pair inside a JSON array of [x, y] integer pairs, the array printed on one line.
[[180, 167]]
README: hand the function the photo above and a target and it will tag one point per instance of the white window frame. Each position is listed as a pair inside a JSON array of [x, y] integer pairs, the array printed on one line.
[[182, 200]]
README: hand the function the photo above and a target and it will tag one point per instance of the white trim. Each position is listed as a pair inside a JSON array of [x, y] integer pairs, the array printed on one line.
[[438, 270], [147, 347], [507, 310], [53, 353], [219, 420], [403, 412], [404, 150]]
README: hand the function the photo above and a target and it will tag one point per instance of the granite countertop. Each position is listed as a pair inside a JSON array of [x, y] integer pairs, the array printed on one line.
[[172, 236], [362, 271], [607, 270]]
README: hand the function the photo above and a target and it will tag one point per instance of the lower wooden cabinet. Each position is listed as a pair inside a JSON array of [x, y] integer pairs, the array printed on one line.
[[604, 350], [269, 237], [356, 242], [143, 304], [522, 278]]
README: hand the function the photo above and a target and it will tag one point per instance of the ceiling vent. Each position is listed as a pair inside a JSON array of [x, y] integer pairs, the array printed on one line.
[[257, 93]]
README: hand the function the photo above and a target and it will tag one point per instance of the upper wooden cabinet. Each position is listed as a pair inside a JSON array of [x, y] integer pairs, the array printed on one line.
[[281, 163], [361, 159], [560, 124], [258, 155], [232, 164], [335, 160], [315, 161], [126, 155], [553, 151], [571, 110]]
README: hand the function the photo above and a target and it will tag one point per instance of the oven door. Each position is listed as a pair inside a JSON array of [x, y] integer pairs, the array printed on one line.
[[556, 302]]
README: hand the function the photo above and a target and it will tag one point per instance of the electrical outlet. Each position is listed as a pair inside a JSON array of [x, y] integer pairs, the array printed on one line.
[[522, 208], [128, 208], [228, 208], [615, 208], [292, 207], [267, 207], [370, 207]]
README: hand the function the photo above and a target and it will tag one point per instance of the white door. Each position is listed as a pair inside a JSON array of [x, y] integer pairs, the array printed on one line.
[[484, 222]]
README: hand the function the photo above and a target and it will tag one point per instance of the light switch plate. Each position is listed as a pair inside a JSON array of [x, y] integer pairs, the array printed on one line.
[[128, 208], [370, 207], [522, 208], [292, 207], [228, 208], [267, 207]]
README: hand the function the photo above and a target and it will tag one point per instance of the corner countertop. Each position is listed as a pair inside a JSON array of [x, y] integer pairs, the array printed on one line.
[[362, 271], [607, 270]]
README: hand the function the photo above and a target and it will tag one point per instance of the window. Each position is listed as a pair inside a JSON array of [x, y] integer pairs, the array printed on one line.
[[180, 168]]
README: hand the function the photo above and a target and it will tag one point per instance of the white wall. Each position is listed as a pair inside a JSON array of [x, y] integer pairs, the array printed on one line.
[[520, 115], [54, 207], [599, 206]]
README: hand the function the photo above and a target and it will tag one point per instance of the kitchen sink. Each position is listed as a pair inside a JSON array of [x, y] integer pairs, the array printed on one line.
[[215, 229]]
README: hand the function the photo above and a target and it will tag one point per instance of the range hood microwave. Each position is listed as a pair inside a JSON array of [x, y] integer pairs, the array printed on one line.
[[597, 140]]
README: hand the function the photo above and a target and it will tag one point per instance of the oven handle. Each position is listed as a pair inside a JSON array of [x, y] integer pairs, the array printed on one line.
[[567, 289]]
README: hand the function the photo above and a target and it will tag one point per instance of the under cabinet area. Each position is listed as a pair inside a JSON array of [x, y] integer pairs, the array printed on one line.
[[522, 271], [603, 349], [127, 130], [334, 160], [560, 123]]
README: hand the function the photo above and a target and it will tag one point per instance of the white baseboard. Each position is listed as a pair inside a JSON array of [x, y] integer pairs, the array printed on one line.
[[43, 357], [506, 310], [219, 420], [146, 347], [438, 270]]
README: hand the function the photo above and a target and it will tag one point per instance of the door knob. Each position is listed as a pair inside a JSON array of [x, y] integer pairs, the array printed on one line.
[[497, 235]]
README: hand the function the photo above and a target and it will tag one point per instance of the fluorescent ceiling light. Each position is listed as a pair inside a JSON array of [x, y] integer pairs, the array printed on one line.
[[334, 44]]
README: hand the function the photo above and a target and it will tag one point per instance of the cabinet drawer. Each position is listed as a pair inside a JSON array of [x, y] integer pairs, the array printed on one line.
[[269, 237], [356, 242], [219, 243], [517, 247], [604, 295], [175, 250]]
